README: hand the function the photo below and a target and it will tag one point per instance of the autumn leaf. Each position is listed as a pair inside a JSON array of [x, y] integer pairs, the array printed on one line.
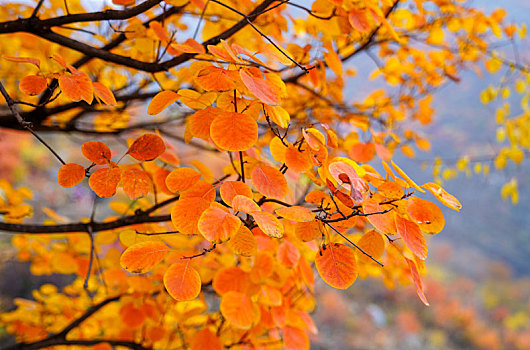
[[296, 213], [268, 223], [243, 242], [426, 214], [416, 278], [443, 196], [372, 243], [136, 183], [143, 256], [406, 177], [196, 100], [269, 181], [337, 265], [238, 309], [231, 279], [105, 181], [31, 60], [70, 175], [33, 84], [147, 147], [205, 339], [161, 101], [104, 94], [186, 213], [217, 225], [234, 131], [255, 81], [383, 222], [77, 87], [288, 254], [216, 79], [199, 123], [244, 204], [182, 281], [412, 236], [97, 152], [230, 189], [181, 179]]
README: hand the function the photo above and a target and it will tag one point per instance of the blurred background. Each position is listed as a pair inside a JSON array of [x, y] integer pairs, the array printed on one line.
[[479, 276]]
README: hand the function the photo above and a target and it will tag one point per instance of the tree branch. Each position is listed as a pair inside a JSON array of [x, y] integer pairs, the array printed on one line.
[[33, 23]]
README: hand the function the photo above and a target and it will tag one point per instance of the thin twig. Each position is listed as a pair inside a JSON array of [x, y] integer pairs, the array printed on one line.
[[200, 20], [353, 244], [26, 125], [263, 35]]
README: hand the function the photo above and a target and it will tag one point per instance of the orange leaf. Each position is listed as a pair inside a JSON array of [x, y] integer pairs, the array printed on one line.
[[205, 339], [181, 179], [288, 254], [104, 94], [269, 181], [372, 243], [189, 46], [239, 310], [77, 87], [159, 30], [298, 161], [443, 196], [263, 267], [294, 338], [201, 189], [216, 79], [406, 177], [296, 213], [196, 100], [362, 152], [70, 175], [34, 61], [278, 115], [104, 181], [243, 242], [143, 256], [182, 281], [359, 20], [33, 84], [255, 81], [310, 230], [245, 204], [136, 183], [269, 224], [384, 223], [200, 122], [412, 236], [234, 131], [187, 212], [161, 101], [147, 147], [230, 189], [426, 214], [231, 279], [337, 265], [96, 152], [218, 225], [416, 278]]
